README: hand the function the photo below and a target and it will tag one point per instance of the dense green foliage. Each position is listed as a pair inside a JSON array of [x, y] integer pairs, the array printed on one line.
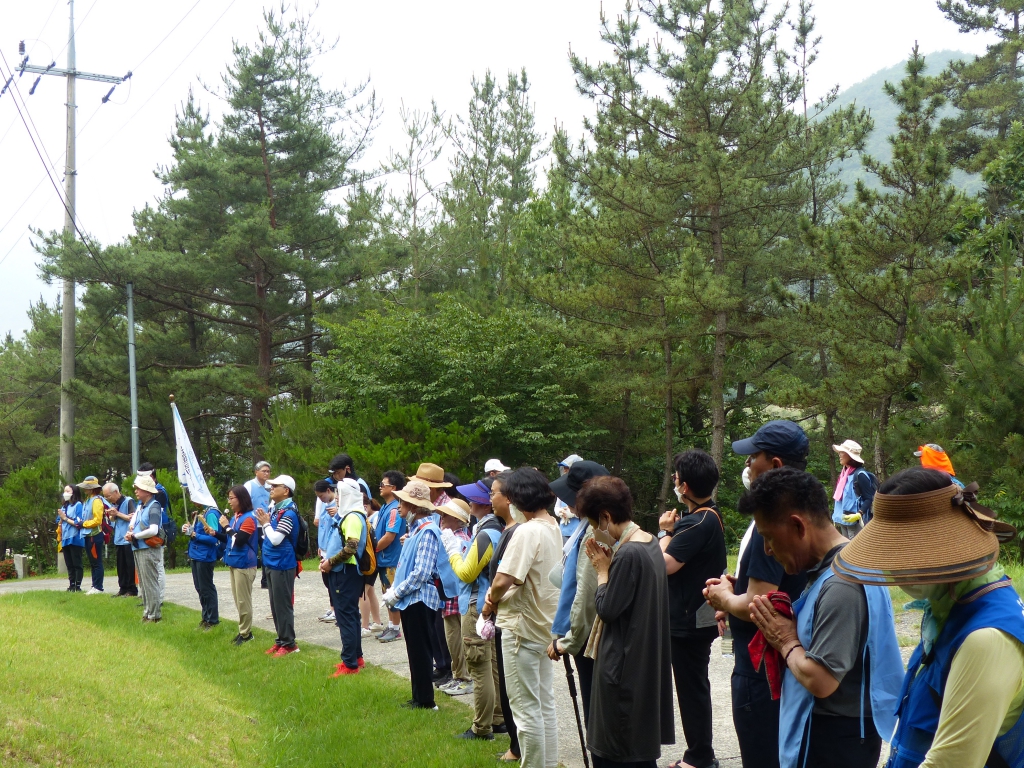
[[701, 259]]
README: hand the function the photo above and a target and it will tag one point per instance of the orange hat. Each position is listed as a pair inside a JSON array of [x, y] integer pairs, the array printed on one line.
[[933, 457]]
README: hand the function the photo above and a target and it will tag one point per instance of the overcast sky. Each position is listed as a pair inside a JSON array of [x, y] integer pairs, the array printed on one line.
[[412, 51]]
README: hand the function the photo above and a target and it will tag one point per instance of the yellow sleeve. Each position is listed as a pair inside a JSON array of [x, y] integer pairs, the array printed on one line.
[[469, 566], [984, 696], [97, 514]]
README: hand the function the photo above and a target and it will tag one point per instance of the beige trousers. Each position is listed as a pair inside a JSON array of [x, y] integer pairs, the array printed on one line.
[[241, 590], [483, 671], [453, 636]]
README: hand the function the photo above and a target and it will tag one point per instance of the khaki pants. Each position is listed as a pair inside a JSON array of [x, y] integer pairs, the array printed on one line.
[[149, 561], [241, 590], [453, 638], [483, 670]]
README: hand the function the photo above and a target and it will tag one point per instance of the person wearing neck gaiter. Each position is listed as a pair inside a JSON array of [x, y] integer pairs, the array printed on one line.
[[962, 702]]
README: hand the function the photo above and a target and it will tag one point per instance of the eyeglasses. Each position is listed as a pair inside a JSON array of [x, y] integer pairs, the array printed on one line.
[[492, 494], [385, 485]]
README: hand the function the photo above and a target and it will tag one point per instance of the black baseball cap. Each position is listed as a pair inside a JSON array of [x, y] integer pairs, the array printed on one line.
[[781, 438], [569, 484]]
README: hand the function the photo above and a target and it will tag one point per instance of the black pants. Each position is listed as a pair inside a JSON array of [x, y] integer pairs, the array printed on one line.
[[690, 659], [94, 549], [202, 579], [756, 718], [439, 645], [282, 604], [73, 560], [345, 588], [600, 762], [506, 708], [418, 628], [125, 570], [585, 669], [836, 743]]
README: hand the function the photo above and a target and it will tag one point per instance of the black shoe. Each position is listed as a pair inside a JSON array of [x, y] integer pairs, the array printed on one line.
[[471, 734], [443, 681], [242, 639], [500, 729], [203, 625], [413, 704], [441, 673]]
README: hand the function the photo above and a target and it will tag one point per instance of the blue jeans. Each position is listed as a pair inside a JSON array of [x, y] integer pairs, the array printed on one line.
[[346, 587]]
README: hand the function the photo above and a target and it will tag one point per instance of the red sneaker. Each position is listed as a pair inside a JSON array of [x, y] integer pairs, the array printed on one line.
[[361, 662], [343, 670], [284, 650], [272, 650]]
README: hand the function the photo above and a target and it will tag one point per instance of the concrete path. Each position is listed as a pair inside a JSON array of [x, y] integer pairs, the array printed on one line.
[[311, 601]]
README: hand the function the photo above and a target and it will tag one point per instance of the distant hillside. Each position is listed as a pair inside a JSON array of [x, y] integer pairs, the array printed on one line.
[[870, 95]]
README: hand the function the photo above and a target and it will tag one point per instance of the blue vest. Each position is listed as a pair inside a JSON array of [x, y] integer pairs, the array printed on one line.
[[121, 526], [259, 494], [142, 522], [921, 697], [443, 568], [332, 541], [244, 557], [282, 556], [883, 667], [71, 535], [560, 626], [203, 546]]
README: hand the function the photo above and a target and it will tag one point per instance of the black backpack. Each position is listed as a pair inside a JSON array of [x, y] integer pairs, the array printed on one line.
[[865, 501], [302, 542]]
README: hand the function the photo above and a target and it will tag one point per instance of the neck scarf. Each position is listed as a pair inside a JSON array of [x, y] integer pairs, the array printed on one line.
[[941, 600], [595, 633], [844, 477]]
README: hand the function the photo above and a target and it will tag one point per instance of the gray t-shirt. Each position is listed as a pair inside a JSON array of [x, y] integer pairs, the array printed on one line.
[[838, 638]]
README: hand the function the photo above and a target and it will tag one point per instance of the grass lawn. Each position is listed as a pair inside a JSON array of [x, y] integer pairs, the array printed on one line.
[[85, 683]]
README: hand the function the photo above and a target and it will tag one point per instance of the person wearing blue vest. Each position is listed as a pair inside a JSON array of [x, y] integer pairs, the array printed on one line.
[[204, 552], [840, 657], [576, 580], [413, 594], [70, 518], [147, 538], [567, 520], [120, 509], [342, 535], [962, 700], [240, 535], [280, 528]]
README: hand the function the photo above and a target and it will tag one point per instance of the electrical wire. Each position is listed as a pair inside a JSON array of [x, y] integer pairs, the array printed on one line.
[[166, 36], [77, 27]]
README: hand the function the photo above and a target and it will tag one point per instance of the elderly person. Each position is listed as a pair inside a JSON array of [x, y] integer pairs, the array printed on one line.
[[72, 543], [147, 538], [203, 553], [631, 706], [963, 695], [577, 582], [840, 657], [854, 490], [455, 536], [525, 614], [280, 528], [120, 511], [413, 594], [240, 535]]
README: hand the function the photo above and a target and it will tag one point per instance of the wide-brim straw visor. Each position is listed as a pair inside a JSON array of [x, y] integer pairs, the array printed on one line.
[[924, 538], [422, 503]]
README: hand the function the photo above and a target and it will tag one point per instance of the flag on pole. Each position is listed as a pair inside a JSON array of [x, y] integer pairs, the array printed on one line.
[[190, 474]]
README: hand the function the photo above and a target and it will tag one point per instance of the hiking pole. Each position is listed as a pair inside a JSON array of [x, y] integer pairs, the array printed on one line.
[[576, 706]]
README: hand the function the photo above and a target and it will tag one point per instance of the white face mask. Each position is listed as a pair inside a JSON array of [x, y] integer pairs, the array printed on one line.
[[67, 495], [679, 494], [746, 478], [518, 516]]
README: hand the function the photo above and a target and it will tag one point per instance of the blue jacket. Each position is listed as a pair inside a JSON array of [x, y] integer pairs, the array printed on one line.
[[925, 681], [244, 556], [883, 669], [71, 535], [203, 546], [282, 556], [567, 594]]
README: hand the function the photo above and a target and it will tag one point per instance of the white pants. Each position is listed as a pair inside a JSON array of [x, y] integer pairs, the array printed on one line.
[[529, 678]]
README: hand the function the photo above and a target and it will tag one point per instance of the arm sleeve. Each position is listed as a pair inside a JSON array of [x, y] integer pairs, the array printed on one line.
[[618, 595], [840, 624], [984, 682], [584, 605], [151, 530], [276, 536], [468, 567], [422, 568]]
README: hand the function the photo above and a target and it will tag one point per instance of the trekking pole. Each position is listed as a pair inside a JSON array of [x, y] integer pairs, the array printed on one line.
[[576, 706]]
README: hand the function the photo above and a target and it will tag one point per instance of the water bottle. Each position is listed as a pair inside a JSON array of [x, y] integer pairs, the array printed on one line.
[[727, 642]]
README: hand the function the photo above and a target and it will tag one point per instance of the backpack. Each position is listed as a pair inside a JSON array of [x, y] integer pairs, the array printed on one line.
[[368, 560], [302, 542], [169, 534], [865, 501]]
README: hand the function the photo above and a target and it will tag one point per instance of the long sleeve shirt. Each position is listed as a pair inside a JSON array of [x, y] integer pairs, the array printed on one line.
[[420, 582], [584, 607], [93, 522]]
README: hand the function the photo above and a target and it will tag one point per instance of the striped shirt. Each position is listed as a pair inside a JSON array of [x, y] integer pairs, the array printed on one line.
[[420, 582]]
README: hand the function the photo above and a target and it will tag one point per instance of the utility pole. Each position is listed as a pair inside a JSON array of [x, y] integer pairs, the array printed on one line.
[[67, 336], [132, 389]]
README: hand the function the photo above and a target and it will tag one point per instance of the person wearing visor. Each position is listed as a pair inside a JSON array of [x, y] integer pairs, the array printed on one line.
[[577, 582], [962, 700]]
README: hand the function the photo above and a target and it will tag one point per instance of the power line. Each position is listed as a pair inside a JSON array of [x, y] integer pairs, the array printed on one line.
[[166, 36], [77, 27]]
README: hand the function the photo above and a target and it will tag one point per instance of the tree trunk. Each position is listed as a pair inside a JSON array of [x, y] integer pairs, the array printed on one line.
[[263, 367], [307, 349], [718, 358], [666, 480], [883, 426]]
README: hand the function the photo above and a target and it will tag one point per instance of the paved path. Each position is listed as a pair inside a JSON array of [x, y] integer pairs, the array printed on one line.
[[311, 601]]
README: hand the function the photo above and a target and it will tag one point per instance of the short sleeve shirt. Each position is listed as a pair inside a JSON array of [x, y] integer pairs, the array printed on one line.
[[390, 520], [351, 528], [698, 542], [528, 608]]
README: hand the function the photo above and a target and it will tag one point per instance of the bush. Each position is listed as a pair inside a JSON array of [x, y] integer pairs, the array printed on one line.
[[7, 570]]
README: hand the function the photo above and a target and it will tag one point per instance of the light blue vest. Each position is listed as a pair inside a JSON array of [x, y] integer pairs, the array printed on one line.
[[142, 522], [921, 697], [883, 666], [560, 626], [121, 526], [71, 535], [443, 568]]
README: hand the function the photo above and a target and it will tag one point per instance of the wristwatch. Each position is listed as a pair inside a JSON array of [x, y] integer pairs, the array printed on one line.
[[663, 534]]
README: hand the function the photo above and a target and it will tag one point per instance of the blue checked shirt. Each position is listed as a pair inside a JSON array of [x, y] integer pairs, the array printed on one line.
[[420, 582]]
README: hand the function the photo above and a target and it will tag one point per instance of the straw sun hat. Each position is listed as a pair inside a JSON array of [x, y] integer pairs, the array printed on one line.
[[924, 538], [431, 475]]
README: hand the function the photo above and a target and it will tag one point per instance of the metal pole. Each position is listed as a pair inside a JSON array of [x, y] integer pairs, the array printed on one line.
[[132, 387], [576, 706], [67, 336]]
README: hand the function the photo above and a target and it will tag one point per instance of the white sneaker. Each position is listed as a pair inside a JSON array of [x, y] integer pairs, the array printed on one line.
[[94, 591], [327, 617], [450, 686], [460, 688], [377, 627], [364, 632]]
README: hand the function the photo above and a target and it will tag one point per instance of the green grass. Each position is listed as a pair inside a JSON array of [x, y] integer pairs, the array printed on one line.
[[85, 683]]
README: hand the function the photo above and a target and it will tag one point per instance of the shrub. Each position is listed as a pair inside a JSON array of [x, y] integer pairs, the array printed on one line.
[[7, 570]]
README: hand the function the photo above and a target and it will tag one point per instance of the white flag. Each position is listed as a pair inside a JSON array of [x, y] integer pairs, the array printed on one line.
[[190, 474]]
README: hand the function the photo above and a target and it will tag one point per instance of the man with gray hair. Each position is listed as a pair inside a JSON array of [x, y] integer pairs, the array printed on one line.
[[120, 510], [259, 492]]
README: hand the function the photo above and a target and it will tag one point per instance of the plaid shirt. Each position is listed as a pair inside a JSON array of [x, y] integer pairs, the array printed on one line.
[[451, 607], [420, 582]]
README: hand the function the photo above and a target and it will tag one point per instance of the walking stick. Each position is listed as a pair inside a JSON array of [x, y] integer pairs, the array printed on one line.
[[576, 706]]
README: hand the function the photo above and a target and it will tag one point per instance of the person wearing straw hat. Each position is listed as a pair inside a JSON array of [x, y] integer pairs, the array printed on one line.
[[432, 476], [147, 538], [962, 701], [854, 490], [92, 530], [413, 594], [839, 657], [455, 538]]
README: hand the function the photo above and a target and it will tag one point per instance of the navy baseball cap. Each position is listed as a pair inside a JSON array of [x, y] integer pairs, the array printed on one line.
[[784, 439]]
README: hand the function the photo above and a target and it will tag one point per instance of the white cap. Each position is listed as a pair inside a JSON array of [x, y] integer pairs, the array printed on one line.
[[286, 480], [569, 460], [495, 465]]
